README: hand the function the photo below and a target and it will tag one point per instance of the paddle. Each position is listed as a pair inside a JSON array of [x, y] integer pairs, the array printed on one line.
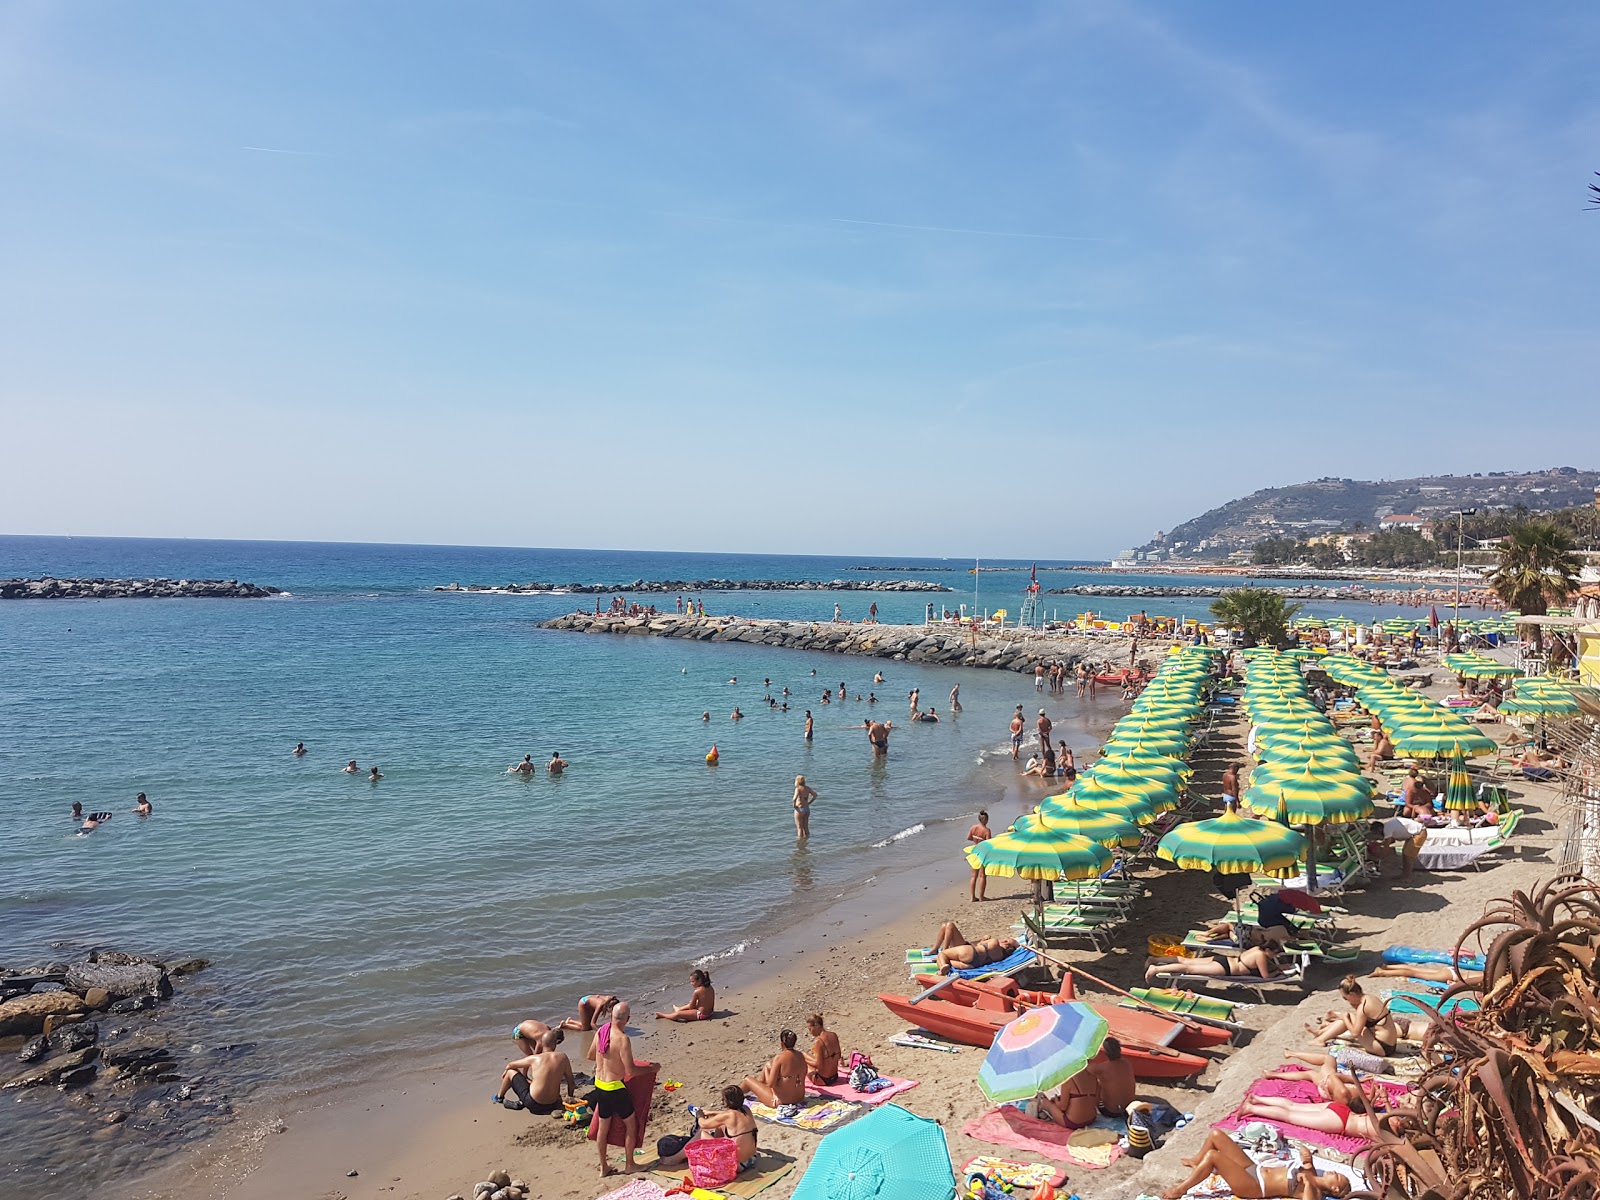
[[1189, 1019]]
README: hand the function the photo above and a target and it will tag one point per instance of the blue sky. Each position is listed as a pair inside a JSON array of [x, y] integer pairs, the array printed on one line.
[[1026, 280]]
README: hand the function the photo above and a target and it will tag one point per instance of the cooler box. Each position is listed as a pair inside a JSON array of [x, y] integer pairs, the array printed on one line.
[[642, 1087]]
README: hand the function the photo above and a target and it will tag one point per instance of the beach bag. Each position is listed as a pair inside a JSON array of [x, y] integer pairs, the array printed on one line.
[[863, 1075], [858, 1059], [1164, 945], [672, 1144], [1260, 1137], [713, 1162]]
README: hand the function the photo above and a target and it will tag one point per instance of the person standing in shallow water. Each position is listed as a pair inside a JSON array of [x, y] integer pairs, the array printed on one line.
[[979, 887], [808, 724], [803, 796]]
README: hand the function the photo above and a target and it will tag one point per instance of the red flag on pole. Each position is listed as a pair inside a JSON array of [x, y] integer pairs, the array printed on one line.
[[1035, 572], [1433, 617]]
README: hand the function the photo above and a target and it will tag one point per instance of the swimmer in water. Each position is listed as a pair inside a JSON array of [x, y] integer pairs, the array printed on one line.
[[77, 810], [736, 715], [352, 769], [375, 775], [808, 724], [142, 805], [706, 716], [557, 764], [299, 749], [872, 697], [735, 679], [92, 822], [878, 678], [525, 767]]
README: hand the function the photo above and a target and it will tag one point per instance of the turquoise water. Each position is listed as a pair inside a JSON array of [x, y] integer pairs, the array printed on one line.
[[433, 909]]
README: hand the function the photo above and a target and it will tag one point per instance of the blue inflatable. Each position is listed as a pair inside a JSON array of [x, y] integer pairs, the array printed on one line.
[[1418, 954], [1408, 1004]]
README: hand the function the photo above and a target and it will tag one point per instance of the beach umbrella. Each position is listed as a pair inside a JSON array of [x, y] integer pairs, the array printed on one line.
[[1114, 786], [1308, 798], [1442, 743], [1155, 766], [1108, 826], [1174, 745], [1487, 668], [1330, 758], [1299, 740], [1040, 854], [1530, 703], [1232, 844], [1458, 793], [889, 1154], [1040, 1050]]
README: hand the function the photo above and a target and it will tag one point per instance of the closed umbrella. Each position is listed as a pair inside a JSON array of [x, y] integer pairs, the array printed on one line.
[[1458, 793], [889, 1154]]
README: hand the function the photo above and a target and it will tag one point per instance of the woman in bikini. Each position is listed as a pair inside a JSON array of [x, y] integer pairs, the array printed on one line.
[[822, 1060], [1354, 1119], [1257, 960], [592, 1011], [734, 1121], [1074, 1106], [702, 1003], [1223, 1156], [952, 949], [1368, 1022], [1432, 972], [803, 796]]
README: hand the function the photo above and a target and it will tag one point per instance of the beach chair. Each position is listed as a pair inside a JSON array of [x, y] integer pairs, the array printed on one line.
[[1065, 929], [921, 961]]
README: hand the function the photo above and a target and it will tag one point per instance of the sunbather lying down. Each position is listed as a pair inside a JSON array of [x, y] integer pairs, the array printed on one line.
[[954, 950], [1259, 961], [1222, 932], [1222, 1155], [1432, 972], [1352, 1120]]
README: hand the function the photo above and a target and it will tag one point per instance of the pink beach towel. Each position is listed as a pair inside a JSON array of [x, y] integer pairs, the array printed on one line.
[[1006, 1126], [843, 1091], [1304, 1091], [638, 1189]]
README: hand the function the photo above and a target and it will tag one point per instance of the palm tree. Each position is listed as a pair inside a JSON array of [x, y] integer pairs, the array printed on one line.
[[1536, 568], [1262, 615]]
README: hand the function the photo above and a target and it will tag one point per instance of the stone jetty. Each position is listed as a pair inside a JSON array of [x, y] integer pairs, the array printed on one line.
[[131, 589], [670, 586], [959, 646]]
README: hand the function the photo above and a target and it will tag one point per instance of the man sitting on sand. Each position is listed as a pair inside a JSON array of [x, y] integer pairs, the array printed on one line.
[[612, 1054], [537, 1079], [952, 949], [822, 1061], [783, 1080], [1113, 1077]]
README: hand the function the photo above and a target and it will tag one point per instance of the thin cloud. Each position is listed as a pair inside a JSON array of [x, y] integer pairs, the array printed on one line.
[[1002, 233], [296, 153]]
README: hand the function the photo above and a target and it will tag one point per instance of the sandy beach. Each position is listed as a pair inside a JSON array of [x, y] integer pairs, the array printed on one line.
[[432, 1135]]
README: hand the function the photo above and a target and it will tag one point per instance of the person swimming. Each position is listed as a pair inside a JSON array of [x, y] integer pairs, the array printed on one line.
[[374, 775], [557, 764], [525, 767], [352, 769], [299, 749]]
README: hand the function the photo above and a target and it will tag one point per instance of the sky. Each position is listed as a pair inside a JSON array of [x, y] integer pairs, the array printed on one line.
[[1027, 280]]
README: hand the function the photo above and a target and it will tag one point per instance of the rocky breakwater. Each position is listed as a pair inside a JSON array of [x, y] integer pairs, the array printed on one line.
[[132, 589], [1144, 591], [88, 1033], [956, 646], [670, 586]]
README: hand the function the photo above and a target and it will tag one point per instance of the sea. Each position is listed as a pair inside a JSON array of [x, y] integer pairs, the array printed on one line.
[[352, 925]]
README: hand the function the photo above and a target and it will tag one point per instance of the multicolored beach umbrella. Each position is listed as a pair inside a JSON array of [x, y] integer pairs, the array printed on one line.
[[1458, 793], [1232, 844], [1040, 854], [888, 1152], [1040, 1050]]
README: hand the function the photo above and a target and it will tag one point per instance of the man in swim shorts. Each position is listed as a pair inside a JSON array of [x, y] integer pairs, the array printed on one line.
[[557, 764], [537, 1079], [526, 1035], [612, 1054], [1016, 733], [878, 735]]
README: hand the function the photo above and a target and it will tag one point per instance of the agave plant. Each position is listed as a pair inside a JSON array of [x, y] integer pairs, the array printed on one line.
[[1509, 1101]]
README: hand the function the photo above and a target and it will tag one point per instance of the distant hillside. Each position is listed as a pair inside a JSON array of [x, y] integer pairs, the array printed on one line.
[[1306, 509]]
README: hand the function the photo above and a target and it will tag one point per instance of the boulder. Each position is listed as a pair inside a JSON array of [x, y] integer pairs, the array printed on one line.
[[34, 1049], [52, 1071], [187, 966], [26, 1014], [132, 979], [97, 999], [70, 1038]]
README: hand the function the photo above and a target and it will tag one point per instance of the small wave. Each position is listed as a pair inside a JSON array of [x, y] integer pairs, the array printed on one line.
[[731, 952], [900, 837]]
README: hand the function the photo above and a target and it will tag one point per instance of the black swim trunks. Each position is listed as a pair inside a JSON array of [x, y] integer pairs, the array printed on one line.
[[611, 1102]]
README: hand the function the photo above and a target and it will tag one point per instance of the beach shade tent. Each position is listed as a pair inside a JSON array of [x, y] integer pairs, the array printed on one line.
[[1442, 743], [1109, 785], [1111, 827], [1041, 1050], [1040, 855], [1459, 795], [889, 1154]]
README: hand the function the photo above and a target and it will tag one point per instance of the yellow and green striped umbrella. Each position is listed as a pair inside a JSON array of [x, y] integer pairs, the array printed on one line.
[[1173, 745], [1101, 782], [1309, 798], [1108, 826], [1487, 668], [1156, 766], [1232, 844], [1458, 793], [1329, 758], [1040, 854], [1442, 743]]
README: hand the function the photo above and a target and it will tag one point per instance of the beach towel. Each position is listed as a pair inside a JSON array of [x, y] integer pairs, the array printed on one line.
[[1214, 1186], [770, 1166], [638, 1189], [1007, 1126], [1018, 1175], [1342, 1143], [813, 1118], [922, 960], [843, 1091]]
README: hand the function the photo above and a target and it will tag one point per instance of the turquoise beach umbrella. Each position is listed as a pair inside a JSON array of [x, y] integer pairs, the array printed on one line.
[[889, 1154]]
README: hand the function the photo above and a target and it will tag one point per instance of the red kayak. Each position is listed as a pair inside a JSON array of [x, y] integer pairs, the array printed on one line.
[[1120, 678], [974, 1013]]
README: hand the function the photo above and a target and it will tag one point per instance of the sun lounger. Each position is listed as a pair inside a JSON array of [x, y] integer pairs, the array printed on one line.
[[1304, 951], [922, 960], [1452, 848], [1066, 929], [1292, 979]]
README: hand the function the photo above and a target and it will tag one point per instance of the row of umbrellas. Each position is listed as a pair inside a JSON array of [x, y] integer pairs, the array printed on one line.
[[1417, 726]]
